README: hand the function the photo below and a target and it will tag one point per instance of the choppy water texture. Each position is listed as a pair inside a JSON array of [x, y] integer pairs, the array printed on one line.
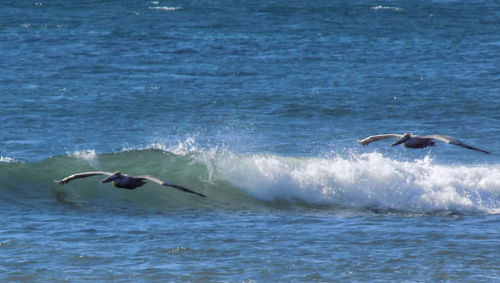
[[258, 105]]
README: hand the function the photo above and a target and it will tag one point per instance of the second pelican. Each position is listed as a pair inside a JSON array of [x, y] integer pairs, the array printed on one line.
[[414, 141]]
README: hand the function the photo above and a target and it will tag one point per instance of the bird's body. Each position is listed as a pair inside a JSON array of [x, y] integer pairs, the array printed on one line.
[[414, 141], [124, 181]]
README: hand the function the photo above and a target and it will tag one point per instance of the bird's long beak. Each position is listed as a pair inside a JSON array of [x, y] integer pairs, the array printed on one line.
[[402, 140], [110, 178]]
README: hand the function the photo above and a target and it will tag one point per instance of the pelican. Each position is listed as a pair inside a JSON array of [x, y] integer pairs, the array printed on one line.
[[414, 141], [124, 181]]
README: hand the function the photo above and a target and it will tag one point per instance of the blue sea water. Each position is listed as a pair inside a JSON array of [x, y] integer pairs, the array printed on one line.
[[258, 105]]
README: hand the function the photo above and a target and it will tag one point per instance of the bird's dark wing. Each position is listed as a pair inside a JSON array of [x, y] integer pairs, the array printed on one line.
[[169, 184], [82, 175], [451, 140], [370, 139]]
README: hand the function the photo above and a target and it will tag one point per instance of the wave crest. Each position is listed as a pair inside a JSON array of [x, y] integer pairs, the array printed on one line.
[[368, 181]]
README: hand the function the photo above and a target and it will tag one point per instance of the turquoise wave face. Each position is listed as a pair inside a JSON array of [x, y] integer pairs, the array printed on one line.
[[359, 182]]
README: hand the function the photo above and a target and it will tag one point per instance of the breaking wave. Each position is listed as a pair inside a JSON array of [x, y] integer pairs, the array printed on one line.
[[361, 182]]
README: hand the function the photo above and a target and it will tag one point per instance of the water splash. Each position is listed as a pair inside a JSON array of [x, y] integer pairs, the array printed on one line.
[[90, 156], [184, 147]]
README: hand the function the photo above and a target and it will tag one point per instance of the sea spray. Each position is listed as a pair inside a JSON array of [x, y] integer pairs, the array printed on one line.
[[90, 156]]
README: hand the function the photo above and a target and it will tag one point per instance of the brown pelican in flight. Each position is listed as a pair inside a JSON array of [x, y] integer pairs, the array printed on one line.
[[124, 181], [414, 141]]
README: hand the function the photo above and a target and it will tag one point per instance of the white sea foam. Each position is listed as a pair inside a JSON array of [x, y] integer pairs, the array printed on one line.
[[386, 8], [6, 159], [366, 181], [88, 155], [164, 8]]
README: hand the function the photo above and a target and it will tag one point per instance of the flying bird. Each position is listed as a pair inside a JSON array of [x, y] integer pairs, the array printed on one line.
[[124, 181], [414, 141]]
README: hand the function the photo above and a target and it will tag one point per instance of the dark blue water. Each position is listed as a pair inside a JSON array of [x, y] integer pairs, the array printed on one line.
[[258, 105]]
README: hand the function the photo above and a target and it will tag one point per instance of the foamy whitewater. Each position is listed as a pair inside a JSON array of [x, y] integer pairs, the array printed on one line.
[[368, 181], [259, 106]]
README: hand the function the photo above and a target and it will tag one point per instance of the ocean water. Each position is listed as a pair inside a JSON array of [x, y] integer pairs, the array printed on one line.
[[258, 105]]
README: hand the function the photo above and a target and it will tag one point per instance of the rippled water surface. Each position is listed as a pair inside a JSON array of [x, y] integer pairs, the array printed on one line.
[[258, 105]]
